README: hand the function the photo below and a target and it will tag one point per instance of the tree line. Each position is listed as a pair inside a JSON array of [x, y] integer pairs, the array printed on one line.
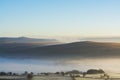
[[90, 71]]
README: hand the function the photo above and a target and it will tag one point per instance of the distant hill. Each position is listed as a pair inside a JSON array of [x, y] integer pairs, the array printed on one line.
[[103, 39], [27, 40], [22, 42], [76, 50]]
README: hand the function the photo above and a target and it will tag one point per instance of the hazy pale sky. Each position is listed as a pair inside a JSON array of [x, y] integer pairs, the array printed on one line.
[[59, 19], [51, 18]]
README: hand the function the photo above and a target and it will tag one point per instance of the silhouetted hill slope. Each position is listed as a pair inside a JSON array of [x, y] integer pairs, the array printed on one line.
[[74, 50]]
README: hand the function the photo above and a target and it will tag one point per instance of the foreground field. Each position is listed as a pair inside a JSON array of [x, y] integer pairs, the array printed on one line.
[[52, 78], [88, 77], [69, 78]]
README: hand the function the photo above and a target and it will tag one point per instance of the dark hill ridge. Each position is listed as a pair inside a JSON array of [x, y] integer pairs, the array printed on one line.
[[25, 40], [76, 50]]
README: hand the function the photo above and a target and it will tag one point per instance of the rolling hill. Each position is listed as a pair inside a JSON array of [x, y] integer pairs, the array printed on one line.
[[76, 50]]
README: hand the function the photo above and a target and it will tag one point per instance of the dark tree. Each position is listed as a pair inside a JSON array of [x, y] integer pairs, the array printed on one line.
[[73, 72], [84, 74], [10, 73], [62, 73], [95, 71], [3, 73], [57, 73]]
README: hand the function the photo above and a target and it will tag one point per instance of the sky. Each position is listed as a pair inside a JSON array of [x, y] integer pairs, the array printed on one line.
[[71, 19], [59, 18]]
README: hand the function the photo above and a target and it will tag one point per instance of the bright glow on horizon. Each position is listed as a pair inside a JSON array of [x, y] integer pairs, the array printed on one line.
[[109, 65]]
